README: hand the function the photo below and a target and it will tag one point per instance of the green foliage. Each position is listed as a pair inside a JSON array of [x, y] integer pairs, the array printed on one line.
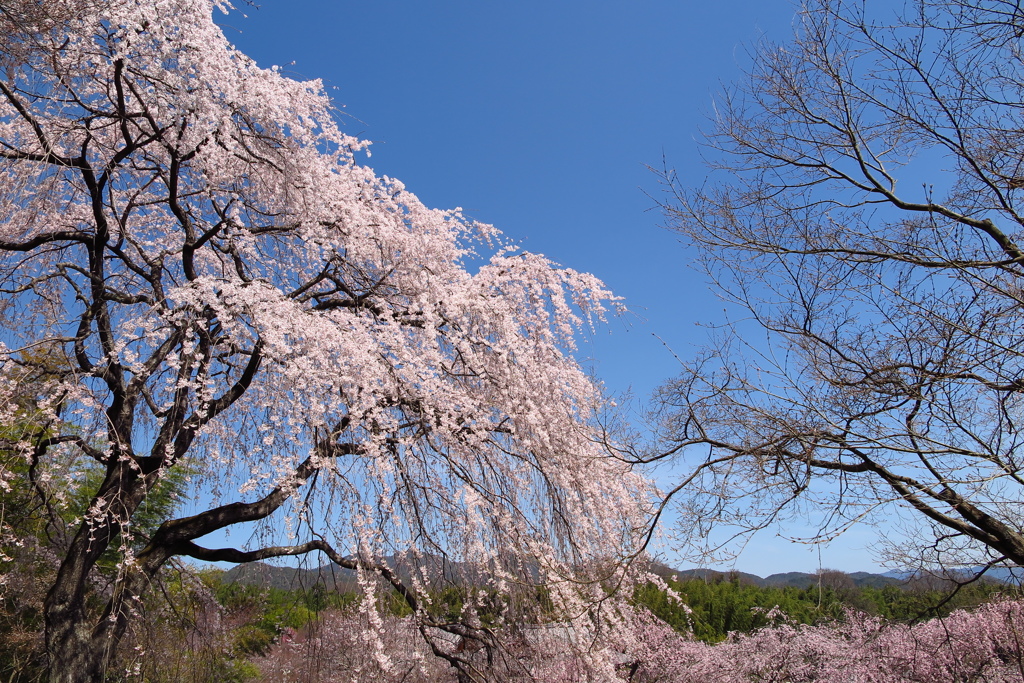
[[713, 609], [40, 501], [263, 613], [286, 612], [158, 506], [450, 604], [253, 639], [32, 522], [259, 615], [27, 513], [925, 600]]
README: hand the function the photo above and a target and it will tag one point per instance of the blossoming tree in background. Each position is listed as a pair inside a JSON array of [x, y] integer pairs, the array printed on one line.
[[218, 285], [980, 645]]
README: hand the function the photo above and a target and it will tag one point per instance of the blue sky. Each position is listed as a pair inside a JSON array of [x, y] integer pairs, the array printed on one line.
[[542, 118]]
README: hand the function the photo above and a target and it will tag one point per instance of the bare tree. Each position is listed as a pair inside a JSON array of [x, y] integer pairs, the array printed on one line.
[[864, 213]]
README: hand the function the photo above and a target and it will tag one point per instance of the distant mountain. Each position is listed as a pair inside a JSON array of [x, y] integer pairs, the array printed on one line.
[[709, 575], [1014, 575], [439, 573], [790, 579], [1008, 575], [899, 574], [867, 580], [265, 575], [793, 579]]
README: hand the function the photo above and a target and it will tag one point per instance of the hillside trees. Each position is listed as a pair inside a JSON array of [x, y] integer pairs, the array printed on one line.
[[227, 289], [865, 215], [979, 645]]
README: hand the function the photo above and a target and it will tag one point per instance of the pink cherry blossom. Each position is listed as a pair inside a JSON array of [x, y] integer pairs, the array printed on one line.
[[228, 289]]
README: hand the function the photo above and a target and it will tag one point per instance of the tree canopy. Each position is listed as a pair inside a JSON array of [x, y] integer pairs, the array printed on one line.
[[229, 290]]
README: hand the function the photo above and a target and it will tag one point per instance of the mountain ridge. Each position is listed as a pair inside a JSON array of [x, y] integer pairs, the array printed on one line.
[[335, 578]]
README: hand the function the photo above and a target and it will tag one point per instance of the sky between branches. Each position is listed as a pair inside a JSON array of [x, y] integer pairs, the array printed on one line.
[[541, 118]]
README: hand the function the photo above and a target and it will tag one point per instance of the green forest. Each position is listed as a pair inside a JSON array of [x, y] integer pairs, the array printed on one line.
[[253, 618]]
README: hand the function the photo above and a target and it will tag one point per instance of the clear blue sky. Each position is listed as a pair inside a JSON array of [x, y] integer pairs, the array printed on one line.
[[541, 117]]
